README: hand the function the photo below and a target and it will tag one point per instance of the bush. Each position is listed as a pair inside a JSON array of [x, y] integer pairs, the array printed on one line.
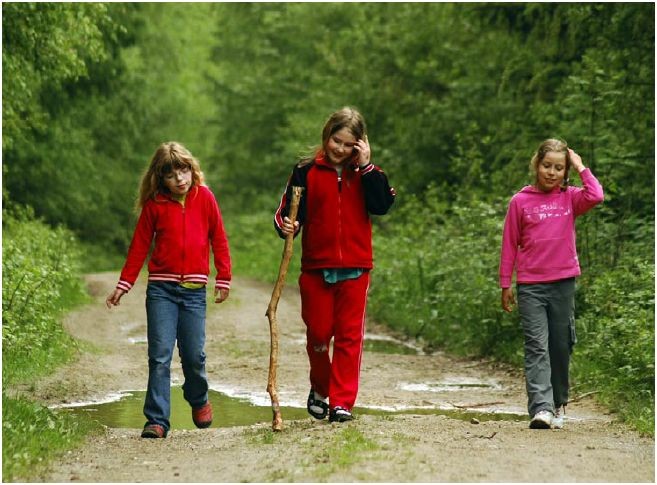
[[616, 354], [39, 280], [436, 277]]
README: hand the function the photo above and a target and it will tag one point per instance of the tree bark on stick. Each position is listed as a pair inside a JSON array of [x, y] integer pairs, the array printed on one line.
[[277, 422]]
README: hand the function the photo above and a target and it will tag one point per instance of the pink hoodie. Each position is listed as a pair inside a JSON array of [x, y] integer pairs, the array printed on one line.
[[539, 232]]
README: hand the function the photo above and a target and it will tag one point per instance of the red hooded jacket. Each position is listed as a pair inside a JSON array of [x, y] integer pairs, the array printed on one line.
[[335, 212], [183, 237]]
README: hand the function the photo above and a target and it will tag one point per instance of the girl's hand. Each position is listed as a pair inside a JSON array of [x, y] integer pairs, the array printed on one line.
[[363, 148], [576, 160], [289, 228], [114, 298], [220, 294], [508, 300]]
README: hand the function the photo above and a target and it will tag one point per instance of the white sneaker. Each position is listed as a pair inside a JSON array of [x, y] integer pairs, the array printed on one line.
[[541, 420], [557, 421]]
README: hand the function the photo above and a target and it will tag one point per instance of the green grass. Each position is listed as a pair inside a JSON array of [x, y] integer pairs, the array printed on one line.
[[346, 448], [19, 365], [32, 435]]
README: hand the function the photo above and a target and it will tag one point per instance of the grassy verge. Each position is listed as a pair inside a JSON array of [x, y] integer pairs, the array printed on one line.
[[40, 282], [341, 448], [348, 447], [33, 435]]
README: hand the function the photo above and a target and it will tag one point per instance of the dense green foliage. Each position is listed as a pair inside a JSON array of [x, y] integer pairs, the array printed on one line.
[[437, 280], [457, 96], [615, 329], [40, 280]]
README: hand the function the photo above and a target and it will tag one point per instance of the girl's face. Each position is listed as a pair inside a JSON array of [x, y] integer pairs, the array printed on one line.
[[179, 180], [340, 146], [551, 171]]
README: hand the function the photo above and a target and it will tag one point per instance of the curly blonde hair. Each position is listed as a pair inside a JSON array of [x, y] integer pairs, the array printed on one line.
[[169, 156]]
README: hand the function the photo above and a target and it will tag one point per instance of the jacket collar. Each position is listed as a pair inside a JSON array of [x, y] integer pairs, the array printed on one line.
[[164, 197], [320, 159]]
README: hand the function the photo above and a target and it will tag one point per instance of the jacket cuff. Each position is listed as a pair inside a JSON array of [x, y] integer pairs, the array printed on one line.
[[124, 285], [367, 168], [222, 284]]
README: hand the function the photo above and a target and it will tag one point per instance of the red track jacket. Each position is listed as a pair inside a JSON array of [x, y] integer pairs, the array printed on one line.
[[335, 212], [183, 236]]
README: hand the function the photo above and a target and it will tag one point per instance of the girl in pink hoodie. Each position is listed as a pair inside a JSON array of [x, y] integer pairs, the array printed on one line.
[[539, 243]]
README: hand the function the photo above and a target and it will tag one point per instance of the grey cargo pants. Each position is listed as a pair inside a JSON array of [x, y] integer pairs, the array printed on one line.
[[547, 313]]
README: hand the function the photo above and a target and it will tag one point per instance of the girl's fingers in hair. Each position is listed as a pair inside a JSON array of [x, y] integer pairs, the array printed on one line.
[[574, 156]]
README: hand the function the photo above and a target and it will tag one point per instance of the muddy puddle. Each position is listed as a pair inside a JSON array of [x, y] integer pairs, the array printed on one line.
[[234, 408], [124, 410]]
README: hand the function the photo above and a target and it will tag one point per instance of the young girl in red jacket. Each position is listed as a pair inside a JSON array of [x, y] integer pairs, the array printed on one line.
[[341, 189], [182, 216], [539, 244]]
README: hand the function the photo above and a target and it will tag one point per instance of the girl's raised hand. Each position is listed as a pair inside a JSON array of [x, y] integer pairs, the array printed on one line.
[[363, 147], [576, 160], [220, 294]]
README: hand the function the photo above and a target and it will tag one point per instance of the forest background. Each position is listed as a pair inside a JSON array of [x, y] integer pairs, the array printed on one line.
[[457, 97]]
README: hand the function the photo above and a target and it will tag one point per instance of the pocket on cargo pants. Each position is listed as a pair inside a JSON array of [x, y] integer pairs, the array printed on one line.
[[573, 333]]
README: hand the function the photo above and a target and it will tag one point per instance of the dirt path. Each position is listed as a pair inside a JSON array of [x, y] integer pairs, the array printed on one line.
[[405, 447]]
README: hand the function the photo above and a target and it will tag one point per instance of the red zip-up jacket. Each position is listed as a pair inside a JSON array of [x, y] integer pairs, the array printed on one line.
[[183, 236], [334, 212]]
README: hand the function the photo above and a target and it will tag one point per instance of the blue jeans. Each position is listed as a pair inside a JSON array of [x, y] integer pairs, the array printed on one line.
[[174, 312]]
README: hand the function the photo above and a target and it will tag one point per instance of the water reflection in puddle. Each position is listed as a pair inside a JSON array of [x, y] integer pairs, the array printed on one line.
[[138, 340], [127, 412], [450, 384], [230, 411]]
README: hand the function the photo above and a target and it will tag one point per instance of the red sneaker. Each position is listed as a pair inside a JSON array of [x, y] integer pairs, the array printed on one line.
[[202, 415], [154, 431]]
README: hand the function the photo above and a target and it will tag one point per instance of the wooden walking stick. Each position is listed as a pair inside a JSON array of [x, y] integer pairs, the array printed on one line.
[[277, 422]]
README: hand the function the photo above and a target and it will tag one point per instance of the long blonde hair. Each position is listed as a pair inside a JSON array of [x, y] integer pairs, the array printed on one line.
[[169, 156], [550, 145], [346, 117]]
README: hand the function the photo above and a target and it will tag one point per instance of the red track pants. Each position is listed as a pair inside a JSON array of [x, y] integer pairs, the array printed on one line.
[[337, 311]]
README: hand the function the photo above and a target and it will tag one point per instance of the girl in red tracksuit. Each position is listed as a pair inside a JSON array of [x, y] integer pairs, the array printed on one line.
[[341, 189], [182, 216]]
